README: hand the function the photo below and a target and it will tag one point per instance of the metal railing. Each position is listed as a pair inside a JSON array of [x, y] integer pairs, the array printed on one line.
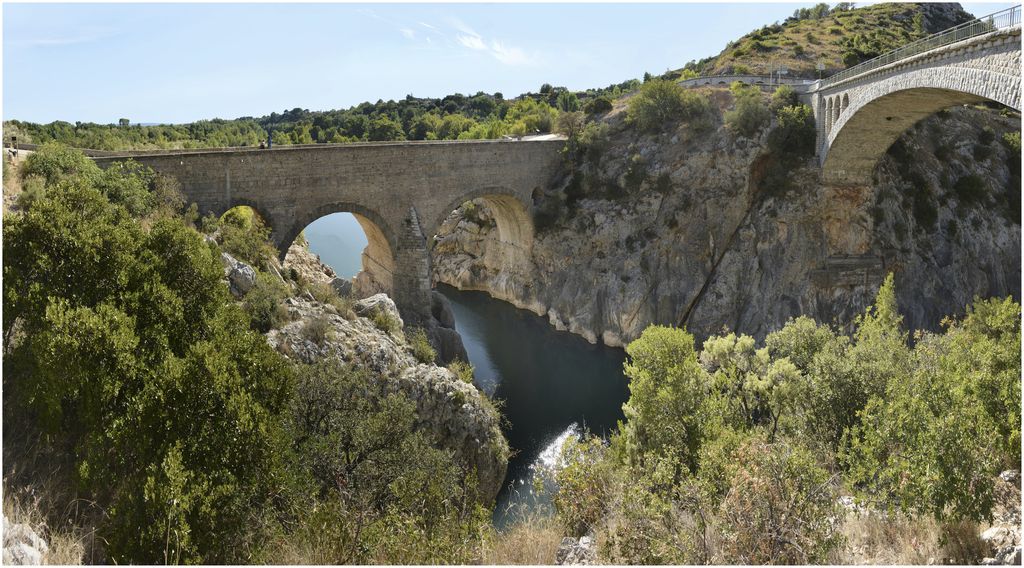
[[995, 21]]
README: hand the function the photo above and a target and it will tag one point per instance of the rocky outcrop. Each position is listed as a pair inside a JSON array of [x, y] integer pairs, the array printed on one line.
[[1003, 539], [22, 545], [241, 277], [702, 231], [371, 337], [580, 552]]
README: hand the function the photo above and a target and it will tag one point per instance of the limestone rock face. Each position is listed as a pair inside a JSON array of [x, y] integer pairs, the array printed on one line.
[[580, 552], [700, 231], [307, 265], [241, 277], [379, 304], [22, 546]]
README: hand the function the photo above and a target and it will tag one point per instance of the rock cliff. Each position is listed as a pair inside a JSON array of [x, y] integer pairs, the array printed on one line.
[[370, 337], [700, 230]]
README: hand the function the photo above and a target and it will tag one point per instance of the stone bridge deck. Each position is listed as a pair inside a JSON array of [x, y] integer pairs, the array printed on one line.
[[400, 192]]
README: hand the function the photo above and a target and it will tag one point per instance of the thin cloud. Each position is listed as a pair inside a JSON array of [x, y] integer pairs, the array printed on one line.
[[408, 33], [60, 41], [507, 54]]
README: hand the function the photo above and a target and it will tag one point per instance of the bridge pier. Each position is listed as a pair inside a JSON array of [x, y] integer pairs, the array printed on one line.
[[411, 281]]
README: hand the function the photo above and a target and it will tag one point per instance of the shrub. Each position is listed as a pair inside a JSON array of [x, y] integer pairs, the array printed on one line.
[[134, 357], [462, 370], [784, 96], [316, 330], [245, 235], [1012, 141], [382, 492], [421, 348], [970, 189], [598, 105], [326, 294], [665, 414], [795, 134], [263, 303], [661, 103], [749, 114], [582, 485], [780, 509], [385, 322]]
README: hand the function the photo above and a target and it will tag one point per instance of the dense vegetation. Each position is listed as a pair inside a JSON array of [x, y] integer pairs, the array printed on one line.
[[737, 453], [454, 117], [132, 373]]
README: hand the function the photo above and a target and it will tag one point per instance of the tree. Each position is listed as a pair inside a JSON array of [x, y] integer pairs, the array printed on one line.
[[129, 352], [568, 102], [662, 103], [384, 128], [545, 89], [123, 122], [665, 414], [749, 114]]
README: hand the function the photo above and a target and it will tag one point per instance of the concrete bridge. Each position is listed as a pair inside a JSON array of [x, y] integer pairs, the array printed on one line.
[[399, 192], [861, 111]]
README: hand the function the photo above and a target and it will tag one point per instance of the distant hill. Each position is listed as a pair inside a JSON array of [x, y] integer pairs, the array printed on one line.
[[838, 37]]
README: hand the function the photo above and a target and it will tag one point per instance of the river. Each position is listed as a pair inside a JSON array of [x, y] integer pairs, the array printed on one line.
[[551, 384]]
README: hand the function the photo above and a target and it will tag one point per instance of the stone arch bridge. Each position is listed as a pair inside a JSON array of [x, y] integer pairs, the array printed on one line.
[[399, 192], [861, 111]]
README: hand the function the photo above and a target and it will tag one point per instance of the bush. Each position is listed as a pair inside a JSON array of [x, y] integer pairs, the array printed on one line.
[[749, 114], [317, 330], [245, 235], [263, 303], [661, 104], [582, 485], [385, 322], [784, 96], [665, 414], [134, 360], [421, 348], [382, 492], [795, 134], [598, 105], [970, 189], [326, 294], [780, 509], [462, 370]]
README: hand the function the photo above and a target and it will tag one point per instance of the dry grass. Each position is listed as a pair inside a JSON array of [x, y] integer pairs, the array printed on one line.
[[67, 543], [533, 540], [874, 539]]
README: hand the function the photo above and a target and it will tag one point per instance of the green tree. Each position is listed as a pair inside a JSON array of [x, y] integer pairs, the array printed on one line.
[[568, 102], [384, 128], [665, 413], [128, 351], [661, 103], [749, 114]]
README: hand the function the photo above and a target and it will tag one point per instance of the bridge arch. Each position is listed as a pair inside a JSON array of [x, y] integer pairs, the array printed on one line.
[[879, 112], [511, 215], [378, 259]]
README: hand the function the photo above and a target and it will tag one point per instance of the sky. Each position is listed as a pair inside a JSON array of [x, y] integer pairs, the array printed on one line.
[[173, 63]]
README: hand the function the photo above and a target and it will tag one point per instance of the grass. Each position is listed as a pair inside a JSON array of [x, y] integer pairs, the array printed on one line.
[[533, 540], [896, 539]]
